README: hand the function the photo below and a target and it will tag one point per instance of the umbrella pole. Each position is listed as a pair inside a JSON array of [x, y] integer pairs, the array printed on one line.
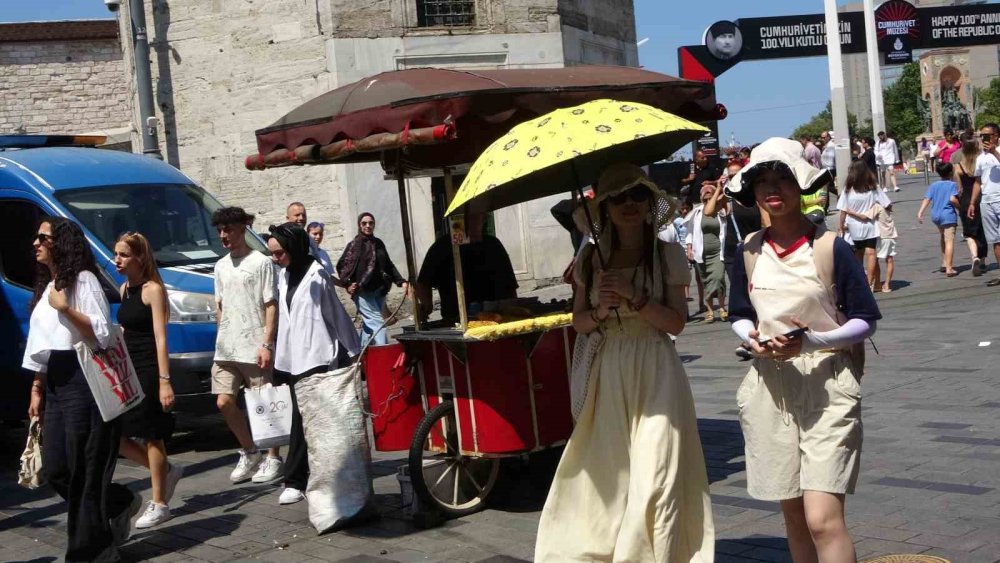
[[456, 255], [590, 223], [404, 214]]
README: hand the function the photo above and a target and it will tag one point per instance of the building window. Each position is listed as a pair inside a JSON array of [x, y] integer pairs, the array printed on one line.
[[433, 13]]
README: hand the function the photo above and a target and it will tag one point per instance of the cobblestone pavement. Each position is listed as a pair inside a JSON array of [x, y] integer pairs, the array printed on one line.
[[930, 480]]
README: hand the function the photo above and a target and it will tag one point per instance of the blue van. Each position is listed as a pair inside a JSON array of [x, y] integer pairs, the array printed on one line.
[[107, 193]]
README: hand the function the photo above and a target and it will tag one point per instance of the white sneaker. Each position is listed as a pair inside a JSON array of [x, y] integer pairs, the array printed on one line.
[[246, 467], [896, 189], [155, 514], [174, 473], [270, 470], [291, 496]]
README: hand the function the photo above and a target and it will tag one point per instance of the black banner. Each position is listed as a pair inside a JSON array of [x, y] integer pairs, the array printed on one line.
[[960, 26], [798, 36]]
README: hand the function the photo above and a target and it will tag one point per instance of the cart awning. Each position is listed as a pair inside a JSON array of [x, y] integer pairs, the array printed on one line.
[[418, 108]]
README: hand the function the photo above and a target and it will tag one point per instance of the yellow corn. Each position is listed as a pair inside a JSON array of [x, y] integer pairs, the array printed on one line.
[[497, 331]]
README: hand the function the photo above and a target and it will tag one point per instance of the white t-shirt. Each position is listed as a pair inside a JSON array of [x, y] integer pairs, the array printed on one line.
[[885, 152], [49, 330], [862, 203], [988, 172], [242, 287]]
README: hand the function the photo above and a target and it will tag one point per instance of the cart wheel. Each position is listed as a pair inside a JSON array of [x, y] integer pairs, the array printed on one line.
[[450, 482]]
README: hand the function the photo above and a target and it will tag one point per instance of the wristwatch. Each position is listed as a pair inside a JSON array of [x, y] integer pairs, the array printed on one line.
[[267, 346]]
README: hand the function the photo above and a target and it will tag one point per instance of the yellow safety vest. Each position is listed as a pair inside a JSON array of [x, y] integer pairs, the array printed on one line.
[[814, 201]]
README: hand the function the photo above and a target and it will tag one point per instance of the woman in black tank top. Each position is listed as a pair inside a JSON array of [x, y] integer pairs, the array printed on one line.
[[143, 316], [972, 228]]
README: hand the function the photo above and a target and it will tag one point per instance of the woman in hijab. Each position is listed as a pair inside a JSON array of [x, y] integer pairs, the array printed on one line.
[[315, 335], [367, 272]]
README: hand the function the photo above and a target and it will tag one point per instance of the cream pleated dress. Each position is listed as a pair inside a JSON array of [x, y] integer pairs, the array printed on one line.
[[631, 485]]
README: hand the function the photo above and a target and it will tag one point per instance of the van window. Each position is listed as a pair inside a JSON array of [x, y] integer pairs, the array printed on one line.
[[17, 255], [177, 219]]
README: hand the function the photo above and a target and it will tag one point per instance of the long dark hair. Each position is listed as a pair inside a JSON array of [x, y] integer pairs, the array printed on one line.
[[860, 178], [70, 254], [648, 238]]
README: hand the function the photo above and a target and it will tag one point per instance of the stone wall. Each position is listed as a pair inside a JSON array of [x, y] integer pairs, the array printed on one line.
[[396, 18], [222, 70], [62, 86]]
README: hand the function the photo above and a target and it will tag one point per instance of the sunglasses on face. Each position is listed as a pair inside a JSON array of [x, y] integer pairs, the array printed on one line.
[[43, 238], [637, 195]]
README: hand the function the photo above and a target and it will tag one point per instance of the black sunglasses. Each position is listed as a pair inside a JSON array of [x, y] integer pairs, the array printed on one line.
[[42, 238], [638, 195]]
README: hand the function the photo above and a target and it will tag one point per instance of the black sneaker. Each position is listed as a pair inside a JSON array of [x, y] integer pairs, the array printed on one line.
[[121, 525]]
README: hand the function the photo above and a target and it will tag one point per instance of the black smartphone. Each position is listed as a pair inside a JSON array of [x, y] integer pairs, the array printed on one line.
[[793, 334], [986, 137]]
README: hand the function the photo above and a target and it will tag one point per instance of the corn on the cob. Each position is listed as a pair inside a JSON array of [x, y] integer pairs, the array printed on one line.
[[497, 331]]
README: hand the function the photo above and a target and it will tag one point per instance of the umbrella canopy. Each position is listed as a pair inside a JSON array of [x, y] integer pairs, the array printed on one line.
[[421, 108], [569, 148]]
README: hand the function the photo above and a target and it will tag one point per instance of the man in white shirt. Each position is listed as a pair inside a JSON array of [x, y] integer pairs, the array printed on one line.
[[247, 316], [886, 157], [828, 158], [988, 186]]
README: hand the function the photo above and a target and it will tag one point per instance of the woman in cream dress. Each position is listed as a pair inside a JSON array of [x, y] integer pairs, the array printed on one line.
[[631, 485]]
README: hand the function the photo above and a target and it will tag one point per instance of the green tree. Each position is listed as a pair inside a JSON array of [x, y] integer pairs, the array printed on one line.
[[902, 115], [823, 121], [988, 103]]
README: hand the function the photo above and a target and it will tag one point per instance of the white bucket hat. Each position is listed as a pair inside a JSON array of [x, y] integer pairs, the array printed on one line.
[[771, 154]]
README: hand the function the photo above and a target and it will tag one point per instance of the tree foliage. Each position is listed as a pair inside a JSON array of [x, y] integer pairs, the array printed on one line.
[[988, 104], [823, 121], [902, 113]]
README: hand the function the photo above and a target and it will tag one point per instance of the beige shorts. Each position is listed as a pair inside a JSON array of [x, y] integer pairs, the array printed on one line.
[[948, 232], [801, 421], [228, 377]]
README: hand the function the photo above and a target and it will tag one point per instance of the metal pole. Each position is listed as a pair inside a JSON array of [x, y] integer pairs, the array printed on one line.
[[456, 256], [143, 79], [874, 68], [838, 99], [404, 215]]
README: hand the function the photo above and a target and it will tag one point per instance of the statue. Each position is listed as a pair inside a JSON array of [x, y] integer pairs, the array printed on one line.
[[954, 114], [924, 108]]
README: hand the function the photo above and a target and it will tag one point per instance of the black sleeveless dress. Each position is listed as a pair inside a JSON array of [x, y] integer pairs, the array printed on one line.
[[147, 420]]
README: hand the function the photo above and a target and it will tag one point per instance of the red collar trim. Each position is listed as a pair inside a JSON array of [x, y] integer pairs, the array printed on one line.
[[803, 240]]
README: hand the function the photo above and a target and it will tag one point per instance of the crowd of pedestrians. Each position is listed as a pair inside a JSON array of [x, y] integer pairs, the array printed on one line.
[[799, 296]]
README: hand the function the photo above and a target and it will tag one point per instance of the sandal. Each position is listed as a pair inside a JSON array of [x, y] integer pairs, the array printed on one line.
[[951, 274], [723, 315], [993, 283], [886, 289], [710, 317]]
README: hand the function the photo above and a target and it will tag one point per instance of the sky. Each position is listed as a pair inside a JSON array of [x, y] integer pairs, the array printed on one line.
[[764, 98]]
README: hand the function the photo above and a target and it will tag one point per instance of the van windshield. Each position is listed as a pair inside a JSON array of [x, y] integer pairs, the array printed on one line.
[[176, 218]]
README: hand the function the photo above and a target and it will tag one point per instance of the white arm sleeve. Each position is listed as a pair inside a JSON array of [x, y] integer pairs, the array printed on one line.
[[850, 333], [743, 328], [90, 301]]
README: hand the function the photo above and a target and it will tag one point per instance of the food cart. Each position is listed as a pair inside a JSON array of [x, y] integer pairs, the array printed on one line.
[[459, 398]]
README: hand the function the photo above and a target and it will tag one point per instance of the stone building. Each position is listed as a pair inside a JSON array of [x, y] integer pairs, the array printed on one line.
[[62, 77], [223, 69]]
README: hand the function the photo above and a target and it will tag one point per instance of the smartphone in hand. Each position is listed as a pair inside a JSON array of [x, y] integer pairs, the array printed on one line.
[[789, 335]]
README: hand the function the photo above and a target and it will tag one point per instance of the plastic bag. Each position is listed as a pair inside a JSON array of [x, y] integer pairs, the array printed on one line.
[[110, 375], [269, 409], [340, 484], [30, 474]]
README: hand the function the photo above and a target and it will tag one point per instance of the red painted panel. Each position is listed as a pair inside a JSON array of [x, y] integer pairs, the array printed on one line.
[[550, 373], [394, 396], [500, 396]]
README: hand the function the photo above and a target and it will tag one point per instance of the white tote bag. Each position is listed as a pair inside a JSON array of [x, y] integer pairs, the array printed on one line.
[[270, 411], [110, 375]]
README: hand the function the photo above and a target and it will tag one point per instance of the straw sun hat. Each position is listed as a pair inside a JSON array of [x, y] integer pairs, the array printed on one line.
[[774, 154], [618, 178]]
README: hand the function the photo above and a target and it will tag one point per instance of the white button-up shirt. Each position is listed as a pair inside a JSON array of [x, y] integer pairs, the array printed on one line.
[[50, 330]]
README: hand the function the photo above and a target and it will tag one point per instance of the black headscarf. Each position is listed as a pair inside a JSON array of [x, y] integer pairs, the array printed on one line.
[[295, 241], [357, 264]]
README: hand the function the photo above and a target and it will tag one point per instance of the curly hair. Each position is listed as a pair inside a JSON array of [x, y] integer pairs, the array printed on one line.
[[231, 215], [70, 253]]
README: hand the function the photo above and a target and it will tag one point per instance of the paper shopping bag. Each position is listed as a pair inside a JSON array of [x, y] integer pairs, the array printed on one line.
[[270, 411], [110, 375]]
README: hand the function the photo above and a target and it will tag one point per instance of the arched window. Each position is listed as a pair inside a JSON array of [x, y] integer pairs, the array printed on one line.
[[434, 13]]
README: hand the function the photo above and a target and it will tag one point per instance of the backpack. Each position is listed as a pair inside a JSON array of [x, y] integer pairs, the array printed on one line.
[[823, 258]]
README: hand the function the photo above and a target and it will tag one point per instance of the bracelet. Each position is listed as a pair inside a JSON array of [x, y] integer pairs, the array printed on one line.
[[641, 303], [165, 377], [267, 346]]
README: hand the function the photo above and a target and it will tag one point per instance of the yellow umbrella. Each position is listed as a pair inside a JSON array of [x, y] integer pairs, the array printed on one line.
[[567, 149]]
